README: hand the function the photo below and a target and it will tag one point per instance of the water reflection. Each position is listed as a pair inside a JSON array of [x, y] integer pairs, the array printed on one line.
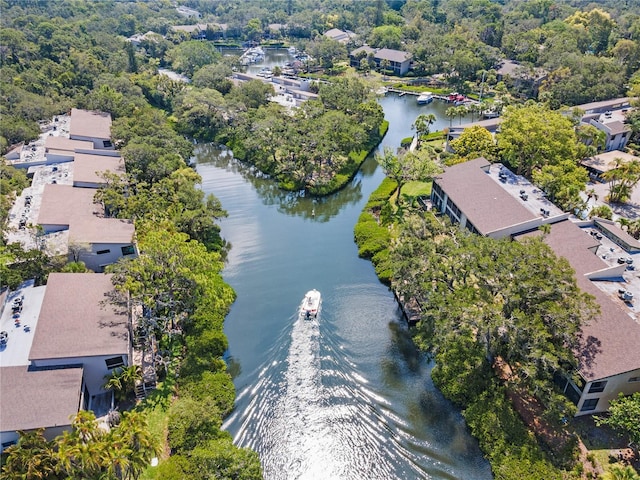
[[320, 209]]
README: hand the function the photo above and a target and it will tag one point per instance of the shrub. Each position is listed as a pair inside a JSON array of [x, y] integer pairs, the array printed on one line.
[[212, 387], [192, 422]]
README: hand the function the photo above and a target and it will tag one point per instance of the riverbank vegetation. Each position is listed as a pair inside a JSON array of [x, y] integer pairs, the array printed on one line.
[[320, 145], [58, 55]]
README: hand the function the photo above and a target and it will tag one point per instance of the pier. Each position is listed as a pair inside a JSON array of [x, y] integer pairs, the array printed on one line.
[[444, 98]]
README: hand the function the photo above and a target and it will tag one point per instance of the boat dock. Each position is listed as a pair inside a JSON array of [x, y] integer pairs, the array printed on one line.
[[444, 98], [410, 308]]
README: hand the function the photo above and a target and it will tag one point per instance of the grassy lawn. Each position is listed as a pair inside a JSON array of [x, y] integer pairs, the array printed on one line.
[[156, 407], [415, 189]]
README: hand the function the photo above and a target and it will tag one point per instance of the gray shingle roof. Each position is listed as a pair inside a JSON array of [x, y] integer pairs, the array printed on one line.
[[88, 124], [485, 203], [78, 320], [34, 399]]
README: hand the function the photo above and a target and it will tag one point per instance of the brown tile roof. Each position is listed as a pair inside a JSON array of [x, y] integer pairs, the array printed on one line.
[[66, 144], [34, 399], [568, 240], [78, 320], [617, 127], [73, 206], [85, 167], [484, 202], [609, 343], [85, 123]]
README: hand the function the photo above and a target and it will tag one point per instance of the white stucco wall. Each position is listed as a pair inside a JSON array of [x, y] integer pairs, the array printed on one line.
[[615, 385]]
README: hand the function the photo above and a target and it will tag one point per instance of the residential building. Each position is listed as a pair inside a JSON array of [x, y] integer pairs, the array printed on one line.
[[69, 335], [489, 200], [592, 111], [524, 79], [398, 60], [471, 194], [608, 360], [92, 238], [616, 131], [33, 399], [342, 36], [91, 126], [81, 323], [606, 161], [88, 169]]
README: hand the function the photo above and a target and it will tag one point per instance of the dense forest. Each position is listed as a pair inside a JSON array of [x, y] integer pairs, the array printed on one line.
[[74, 53]]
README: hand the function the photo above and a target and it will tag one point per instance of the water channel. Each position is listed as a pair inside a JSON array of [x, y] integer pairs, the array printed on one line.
[[347, 396]]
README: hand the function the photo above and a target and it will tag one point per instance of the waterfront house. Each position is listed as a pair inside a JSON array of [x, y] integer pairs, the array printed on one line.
[[69, 335], [38, 399], [489, 200], [94, 239], [399, 61]]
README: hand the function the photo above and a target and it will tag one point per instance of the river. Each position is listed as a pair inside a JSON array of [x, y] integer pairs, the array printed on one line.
[[347, 396]]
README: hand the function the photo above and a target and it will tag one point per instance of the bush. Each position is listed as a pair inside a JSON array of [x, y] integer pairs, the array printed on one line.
[[192, 422], [212, 387]]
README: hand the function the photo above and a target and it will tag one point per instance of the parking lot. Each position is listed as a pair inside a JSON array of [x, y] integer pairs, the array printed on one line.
[[20, 324]]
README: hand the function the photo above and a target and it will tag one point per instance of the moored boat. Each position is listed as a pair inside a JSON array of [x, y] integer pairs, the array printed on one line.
[[310, 304], [425, 98]]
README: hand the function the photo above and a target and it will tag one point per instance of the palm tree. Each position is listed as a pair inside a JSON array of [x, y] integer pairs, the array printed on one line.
[[32, 457], [450, 113], [123, 380], [140, 445], [622, 179], [422, 124], [591, 193], [462, 111]]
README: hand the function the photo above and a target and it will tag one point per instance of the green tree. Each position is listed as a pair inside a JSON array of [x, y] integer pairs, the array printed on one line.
[[513, 300], [386, 36], [187, 57], [32, 457], [475, 142], [422, 124], [406, 167], [327, 51], [562, 183], [622, 179], [532, 136], [624, 416], [122, 380]]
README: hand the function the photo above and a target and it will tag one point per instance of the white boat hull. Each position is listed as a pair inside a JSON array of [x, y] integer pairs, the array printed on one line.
[[310, 307]]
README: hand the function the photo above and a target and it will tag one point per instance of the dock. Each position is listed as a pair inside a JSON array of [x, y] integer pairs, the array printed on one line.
[[443, 98], [410, 308]]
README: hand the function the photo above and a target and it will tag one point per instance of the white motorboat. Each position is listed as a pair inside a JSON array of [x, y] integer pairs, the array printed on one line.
[[424, 98], [311, 304]]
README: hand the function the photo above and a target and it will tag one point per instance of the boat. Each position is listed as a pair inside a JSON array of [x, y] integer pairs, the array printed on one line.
[[310, 304], [292, 50], [425, 98]]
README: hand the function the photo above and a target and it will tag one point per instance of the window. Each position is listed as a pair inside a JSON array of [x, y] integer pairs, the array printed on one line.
[[107, 143], [102, 252], [589, 404], [114, 362], [597, 387], [128, 250], [634, 379]]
